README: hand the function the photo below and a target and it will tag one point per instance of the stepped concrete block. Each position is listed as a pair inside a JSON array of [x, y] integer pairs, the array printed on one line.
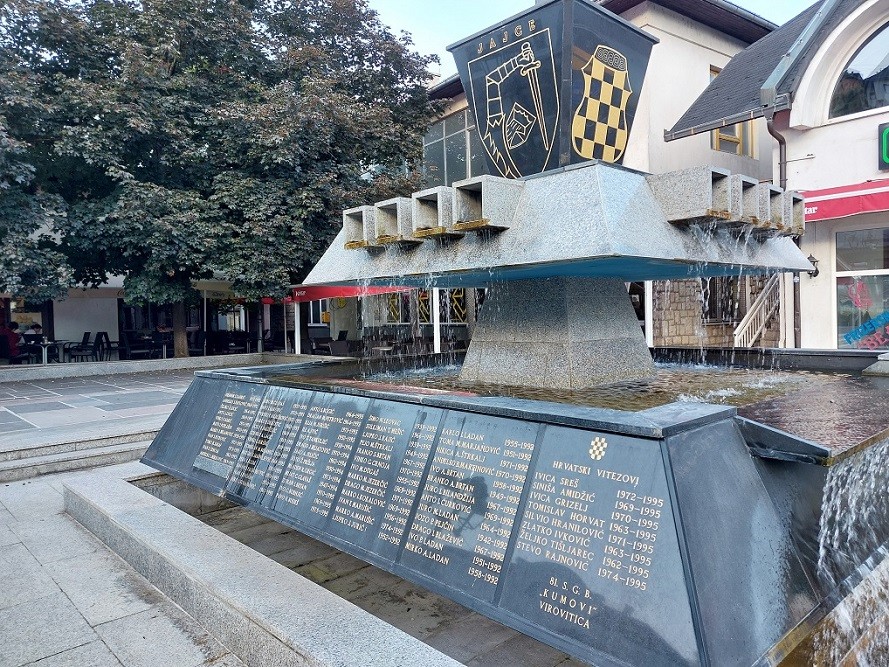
[[593, 220], [695, 195], [266, 615], [393, 220], [432, 211], [745, 199], [795, 213], [486, 202]]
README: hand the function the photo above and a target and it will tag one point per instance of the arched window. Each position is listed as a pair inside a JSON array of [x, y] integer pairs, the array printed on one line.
[[864, 83]]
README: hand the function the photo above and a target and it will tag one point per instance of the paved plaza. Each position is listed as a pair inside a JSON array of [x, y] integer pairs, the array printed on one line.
[[44, 410], [67, 599]]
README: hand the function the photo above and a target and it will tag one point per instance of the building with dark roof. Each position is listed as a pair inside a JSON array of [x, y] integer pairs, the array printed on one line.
[[822, 82]]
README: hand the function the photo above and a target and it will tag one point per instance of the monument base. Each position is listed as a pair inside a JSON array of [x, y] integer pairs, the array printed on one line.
[[559, 333]]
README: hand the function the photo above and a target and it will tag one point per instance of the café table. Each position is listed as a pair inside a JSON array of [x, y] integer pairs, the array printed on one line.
[[46, 344]]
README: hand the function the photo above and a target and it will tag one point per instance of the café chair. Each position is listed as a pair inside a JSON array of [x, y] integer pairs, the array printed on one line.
[[82, 346], [94, 352]]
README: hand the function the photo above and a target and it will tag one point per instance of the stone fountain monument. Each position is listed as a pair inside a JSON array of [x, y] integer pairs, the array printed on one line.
[[555, 250], [678, 535]]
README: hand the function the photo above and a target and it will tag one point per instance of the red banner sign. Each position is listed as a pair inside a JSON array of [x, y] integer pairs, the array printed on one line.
[[315, 292], [847, 200]]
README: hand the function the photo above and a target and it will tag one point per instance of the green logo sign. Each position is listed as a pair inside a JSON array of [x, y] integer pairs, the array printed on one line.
[[884, 147]]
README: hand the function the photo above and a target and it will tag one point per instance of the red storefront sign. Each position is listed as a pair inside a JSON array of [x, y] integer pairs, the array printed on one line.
[[847, 200], [314, 292]]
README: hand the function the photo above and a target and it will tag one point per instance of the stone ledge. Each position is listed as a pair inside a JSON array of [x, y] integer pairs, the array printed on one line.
[[27, 372], [263, 612]]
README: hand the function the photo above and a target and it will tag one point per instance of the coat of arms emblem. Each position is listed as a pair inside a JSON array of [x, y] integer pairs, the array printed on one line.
[[516, 102], [599, 128]]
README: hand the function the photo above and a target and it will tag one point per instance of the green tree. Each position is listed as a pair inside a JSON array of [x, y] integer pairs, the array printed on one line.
[[196, 138], [29, 265]]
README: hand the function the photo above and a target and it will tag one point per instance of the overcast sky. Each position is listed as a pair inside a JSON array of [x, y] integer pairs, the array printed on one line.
[[436, 23]]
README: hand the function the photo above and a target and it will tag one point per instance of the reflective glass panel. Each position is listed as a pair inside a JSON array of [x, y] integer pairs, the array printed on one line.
[[477, 164], [863, 312], [864, 83], [455, 123], [863, 250], [434, 133], [455, 147], [433, 163]]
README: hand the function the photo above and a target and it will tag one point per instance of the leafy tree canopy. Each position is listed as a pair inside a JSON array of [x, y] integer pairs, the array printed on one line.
[[173, 140]]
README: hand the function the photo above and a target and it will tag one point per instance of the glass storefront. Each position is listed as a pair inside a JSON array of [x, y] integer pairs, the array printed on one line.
[[862, 265]]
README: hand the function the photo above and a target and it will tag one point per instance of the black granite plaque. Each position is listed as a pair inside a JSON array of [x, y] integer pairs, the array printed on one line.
[[227, 433], [467, 507], [596, 538], [268, 444], [570, 533], [311, 477]]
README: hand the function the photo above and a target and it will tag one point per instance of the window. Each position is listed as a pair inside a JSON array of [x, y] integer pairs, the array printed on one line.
[[454, 305], [864, 83], [398, 308], [316, 310], [452, 150], [721, 299], [734, 139], [862, 266]]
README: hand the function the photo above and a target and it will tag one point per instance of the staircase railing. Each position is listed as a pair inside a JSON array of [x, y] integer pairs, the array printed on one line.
[[760, 313]]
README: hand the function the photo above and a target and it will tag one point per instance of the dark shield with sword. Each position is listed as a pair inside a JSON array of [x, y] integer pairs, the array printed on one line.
[[516, 101]]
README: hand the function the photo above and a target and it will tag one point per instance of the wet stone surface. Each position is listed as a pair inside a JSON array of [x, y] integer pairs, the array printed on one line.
[[837, 411]]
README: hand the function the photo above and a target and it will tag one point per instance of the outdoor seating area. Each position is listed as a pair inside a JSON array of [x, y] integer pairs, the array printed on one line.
[[372, 341]]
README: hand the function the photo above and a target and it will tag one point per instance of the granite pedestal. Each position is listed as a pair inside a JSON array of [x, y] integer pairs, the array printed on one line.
[[561, 333]]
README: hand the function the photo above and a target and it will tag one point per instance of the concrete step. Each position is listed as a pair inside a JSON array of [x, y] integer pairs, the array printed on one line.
[[77, 459], [18, 451]]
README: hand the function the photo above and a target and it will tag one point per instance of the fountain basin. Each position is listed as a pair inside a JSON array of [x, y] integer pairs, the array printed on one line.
[[579, 526]]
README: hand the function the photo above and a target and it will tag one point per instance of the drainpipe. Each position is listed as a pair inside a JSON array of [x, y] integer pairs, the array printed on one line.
[[782, 150], [782, 182]]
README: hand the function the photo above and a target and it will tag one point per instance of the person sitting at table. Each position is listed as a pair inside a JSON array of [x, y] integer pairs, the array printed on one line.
[[10, 331], [34, 329]]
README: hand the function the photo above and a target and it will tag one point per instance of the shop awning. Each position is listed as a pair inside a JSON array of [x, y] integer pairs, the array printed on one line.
[[314, 292], [847, 200]]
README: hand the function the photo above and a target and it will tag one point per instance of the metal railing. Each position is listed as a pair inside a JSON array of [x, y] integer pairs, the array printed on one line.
[[759, 314]]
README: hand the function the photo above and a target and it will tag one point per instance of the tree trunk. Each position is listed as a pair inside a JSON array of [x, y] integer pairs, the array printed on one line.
[[180, 334]]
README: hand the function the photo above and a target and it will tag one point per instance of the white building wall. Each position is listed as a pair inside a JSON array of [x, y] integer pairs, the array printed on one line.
[[843, 151], [86, 310], [678, 73], [823, 153]]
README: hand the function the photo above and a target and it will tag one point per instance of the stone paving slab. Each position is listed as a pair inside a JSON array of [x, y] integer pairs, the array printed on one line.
[[135, 638], [102, 587], [40, 628], [55, 538], [67, 601], [94, 654], [24, 579]]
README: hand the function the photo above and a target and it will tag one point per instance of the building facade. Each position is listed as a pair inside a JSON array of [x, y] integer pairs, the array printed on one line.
[[828, 102]]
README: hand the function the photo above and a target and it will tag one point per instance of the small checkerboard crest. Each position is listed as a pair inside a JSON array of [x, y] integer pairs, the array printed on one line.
[[597, 449], [599, 127]]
